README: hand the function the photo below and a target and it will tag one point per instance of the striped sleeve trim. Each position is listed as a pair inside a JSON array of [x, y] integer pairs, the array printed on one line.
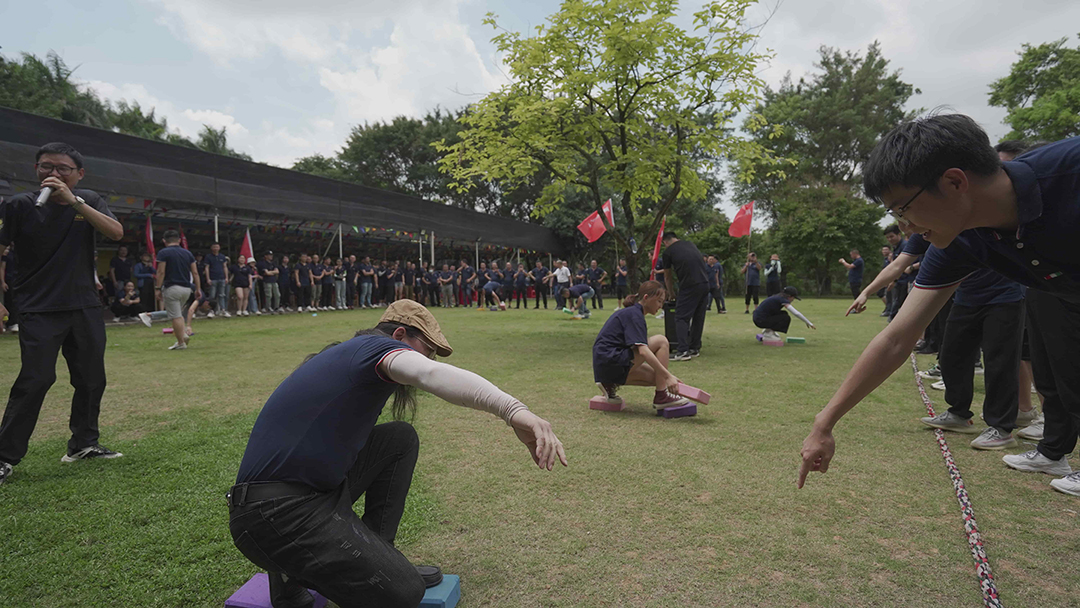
[[944, 286], [383, 358]]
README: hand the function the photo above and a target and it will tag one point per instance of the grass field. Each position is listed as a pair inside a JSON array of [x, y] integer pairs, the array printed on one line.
[[696, 511]]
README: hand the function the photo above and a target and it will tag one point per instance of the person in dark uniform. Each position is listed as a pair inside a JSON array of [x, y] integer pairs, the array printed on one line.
[[854, 272], [683, 260], [773, 270], [8, 275], [56, 295], [468, 281], [120, 270], [507, 283], [622, 281], [580, 276], [316, 449], [578, 296], [596, 275], [302, 278], [350, 282], [752, 270], [327, 300], [521, 286], [540, 286], [716, 286], [285, 283], [770, 315]]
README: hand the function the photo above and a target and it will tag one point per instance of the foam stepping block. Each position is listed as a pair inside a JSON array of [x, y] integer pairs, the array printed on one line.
[[793, 340], [758, 337], [694, 394], [166, 330], [679, 411], [601, 403], [256, 594], [773, 342], [444, 595]]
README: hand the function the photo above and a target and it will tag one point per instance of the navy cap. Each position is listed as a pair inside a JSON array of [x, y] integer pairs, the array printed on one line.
[[791, 291]]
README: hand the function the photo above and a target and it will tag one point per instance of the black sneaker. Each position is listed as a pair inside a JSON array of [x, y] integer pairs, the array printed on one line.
[[610, 391], [679, 357], [288, 593], [5, 472], [94, 451], [694, 353], [432, 575]]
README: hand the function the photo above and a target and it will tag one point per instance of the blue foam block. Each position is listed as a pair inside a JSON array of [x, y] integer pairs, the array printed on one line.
[[444, 595]]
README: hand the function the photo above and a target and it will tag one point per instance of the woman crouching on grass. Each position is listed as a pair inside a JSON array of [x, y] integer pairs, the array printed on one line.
[[625, 354], [315, 449]]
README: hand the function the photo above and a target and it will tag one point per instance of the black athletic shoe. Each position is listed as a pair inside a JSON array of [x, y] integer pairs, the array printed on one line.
[[746, 312], [432, 575], [286, 593], [5, 472], [926, 349], [94, 451], [695, 353]]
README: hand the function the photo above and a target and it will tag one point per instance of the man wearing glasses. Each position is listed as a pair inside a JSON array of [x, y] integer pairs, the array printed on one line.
[[58, 303], [941, 177]]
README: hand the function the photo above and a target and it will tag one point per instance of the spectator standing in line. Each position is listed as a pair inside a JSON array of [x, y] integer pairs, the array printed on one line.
[[684, 259], [580, 275], [773, 270], [350, 282], [716, 286], [303, 276], [596, 276], [8, 269], [144, 282], [120, 270], [177, 280], [900, 285], [268, 272], [561, 277], [507, 283], [622, 282], [318, 270], [399, 281], [540, 284], [885, 293], [521, 286], [409, 277], [128, 305], [752, 270], [253, 290], [366, 278], [446, 289], [217, 266], [55, 294], [341, 275], [381, 285], [327, 300], [468, 281], [285, 284], [241, 282], [854, 272]]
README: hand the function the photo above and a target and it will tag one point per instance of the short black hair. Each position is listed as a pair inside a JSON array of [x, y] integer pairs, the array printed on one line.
[[894, 229], [1016, 147], [171, 235], [916, 153], [670, 234], [57, 147]]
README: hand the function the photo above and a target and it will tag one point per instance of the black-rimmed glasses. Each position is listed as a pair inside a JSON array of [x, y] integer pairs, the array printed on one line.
[[61, 170], [898, 212]]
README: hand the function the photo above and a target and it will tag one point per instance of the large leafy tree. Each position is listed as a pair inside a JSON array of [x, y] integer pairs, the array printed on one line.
[[1041, 92], [613, 100]]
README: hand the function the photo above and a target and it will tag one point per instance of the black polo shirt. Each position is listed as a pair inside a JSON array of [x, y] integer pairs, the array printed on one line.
[[263, 266], [594, 274], [55, 269], [178, 263], [685, 258], [1042, 253]]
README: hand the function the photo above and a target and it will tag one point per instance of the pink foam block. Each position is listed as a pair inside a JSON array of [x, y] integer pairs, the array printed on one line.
[[601, 403], [694, 394], [679, 411], [256, 594], [773, 342], [166, 330]]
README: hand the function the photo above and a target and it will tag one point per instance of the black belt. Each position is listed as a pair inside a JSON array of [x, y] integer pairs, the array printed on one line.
[[246, 493]]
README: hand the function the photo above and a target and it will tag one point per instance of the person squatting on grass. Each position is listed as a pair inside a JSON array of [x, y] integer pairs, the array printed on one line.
[[941, 177], [770, 315], [315, 449], [56, 295], [625, 355]]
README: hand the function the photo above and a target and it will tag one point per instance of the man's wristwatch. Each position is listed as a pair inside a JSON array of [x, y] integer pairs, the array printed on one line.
[[78, 202]]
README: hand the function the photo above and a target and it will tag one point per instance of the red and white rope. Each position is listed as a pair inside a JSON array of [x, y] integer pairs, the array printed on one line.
[[978, 553]]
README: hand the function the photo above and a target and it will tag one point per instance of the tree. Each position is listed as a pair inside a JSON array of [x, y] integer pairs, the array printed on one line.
[[612, 99], [1041, 93]]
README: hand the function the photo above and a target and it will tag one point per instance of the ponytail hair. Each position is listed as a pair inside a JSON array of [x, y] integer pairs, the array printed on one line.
[[648, 288]]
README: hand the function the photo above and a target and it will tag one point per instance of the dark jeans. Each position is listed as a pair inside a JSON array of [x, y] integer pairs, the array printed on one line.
[[716, 294], [780, 322], [327, 298], [998, 328], [521, 293], [559, 300], [752, 291], [1054, 332], [690, 309], [80, 334], [319, 542], [9, 304], [540, 290], [856, 289], [305, 296], [598, 298], [771, 288]]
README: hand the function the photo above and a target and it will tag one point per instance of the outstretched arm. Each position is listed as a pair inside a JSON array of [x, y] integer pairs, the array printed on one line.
[[465, 388], [800, 315]]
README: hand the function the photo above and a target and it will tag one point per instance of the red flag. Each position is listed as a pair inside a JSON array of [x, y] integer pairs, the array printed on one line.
[[740, 226], [593, 227], [183, 239], [656, 250], [150, 242], [246, 249]]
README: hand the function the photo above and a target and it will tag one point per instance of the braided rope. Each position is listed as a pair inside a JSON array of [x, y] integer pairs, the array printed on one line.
[[978, 553]]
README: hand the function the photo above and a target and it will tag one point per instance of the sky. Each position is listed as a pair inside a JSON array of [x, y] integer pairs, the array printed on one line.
[[288, 79]]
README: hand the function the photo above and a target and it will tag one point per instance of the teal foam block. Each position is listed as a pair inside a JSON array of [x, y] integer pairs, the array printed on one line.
[[444, 595]]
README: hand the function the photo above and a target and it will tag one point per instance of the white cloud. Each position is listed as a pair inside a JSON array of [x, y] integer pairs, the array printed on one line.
[[216, 120]]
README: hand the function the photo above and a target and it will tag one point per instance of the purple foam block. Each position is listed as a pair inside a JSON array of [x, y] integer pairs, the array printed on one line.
[[679, 411], [256, 594], [759, 337]]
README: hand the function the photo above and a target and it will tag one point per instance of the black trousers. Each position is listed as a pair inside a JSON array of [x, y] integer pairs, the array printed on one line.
[[540, 290], [119, 310], [690, 309], [560, 301], [899, 291], [771, 288], [80, 335], [935, 332], [9, 304], [780, 322], [327, 298], [350, 293], [856, 289], [319, 542], [752, 291], [598, 296], [146, 296], [1053, 330], [999, 329], [716, 294], [521, 293], [305, 296]]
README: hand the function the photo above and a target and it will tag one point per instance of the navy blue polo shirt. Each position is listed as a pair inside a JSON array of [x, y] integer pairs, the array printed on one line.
[[178, 263], [304, 273], [508, 278], [770, 306], [594, 274], [467, 273], [580, 276], [901, 247], [328, 275], [446, 274], [362, 268], [614, 345], [579, 290], [716, 275], [314, 425], [217, 265], [773, 277], [539, 274], [122, 268], [854, 275], [1042, 252], [263, 266], [984, 287], [753, 275], [620, 278], [521, 279]]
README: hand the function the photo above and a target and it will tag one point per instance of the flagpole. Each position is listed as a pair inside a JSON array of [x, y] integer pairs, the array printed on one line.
[[215, 226], [340, 247]]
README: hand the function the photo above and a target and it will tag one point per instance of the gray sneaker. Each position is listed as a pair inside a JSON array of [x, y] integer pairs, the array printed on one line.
[[1027, 418], [950, 422], [5, 472], [993, 438], [1070, 484], [1033, 431], [1033, 461]]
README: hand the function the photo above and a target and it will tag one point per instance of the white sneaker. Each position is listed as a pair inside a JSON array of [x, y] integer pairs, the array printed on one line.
[[226, 315], [178, 346], [258, 313], [993, 439], [1027, 418], [333, 308], [938, 386], [144, 317], [1033, 431], [14, 328], [1033, 461], [770, 335], [979, 370], [1070, 484], [210, 315]]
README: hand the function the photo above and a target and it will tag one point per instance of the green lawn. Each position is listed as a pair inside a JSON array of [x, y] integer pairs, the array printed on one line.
[[691, 512]]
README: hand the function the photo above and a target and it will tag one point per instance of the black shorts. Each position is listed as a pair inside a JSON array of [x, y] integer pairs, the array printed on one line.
[[614, 372]]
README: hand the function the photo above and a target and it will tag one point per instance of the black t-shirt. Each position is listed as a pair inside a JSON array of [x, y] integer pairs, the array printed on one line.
[[178, 263], [241, 275], [217, 264], [685, 258], [770, 306], [304, 273], [10, 268], [122, 268], [55, 268], [263, 266]]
